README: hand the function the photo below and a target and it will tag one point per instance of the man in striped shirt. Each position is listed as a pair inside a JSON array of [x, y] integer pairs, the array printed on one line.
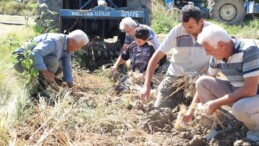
[[188, 57], [238, 60]]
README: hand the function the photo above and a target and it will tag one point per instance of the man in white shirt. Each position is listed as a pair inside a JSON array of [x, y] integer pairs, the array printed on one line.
[[188, 56]]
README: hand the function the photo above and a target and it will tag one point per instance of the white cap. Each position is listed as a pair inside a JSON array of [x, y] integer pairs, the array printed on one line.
[[101, 2]]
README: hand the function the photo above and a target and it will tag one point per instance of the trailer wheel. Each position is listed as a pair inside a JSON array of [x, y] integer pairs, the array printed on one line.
[[227, 11]]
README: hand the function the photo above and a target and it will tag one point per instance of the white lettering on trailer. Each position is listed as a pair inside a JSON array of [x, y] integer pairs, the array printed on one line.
[[102, 14], [130, 14], [75, 13]]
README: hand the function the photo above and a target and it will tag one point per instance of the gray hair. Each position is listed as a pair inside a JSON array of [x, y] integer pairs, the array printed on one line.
[[212, 34], [127, 21], [78, 36]]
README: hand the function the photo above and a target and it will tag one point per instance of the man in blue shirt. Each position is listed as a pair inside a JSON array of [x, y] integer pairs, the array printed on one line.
[[53, 49]]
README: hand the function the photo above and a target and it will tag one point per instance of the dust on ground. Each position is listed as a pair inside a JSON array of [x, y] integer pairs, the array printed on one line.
[[9, 23]]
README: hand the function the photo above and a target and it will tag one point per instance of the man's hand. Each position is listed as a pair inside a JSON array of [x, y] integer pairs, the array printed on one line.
[[145, 92], [188, 115], [70, 84], [211, 106], [113, 70], [50, 77]]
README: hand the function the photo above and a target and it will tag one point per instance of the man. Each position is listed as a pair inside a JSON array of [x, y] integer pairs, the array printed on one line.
[[51, 49], [238, 60], [188, 56], [128, 25], [139, 52]]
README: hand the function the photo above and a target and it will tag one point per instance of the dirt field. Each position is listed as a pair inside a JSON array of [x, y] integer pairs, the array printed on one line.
[[144, 124], [13, 23]]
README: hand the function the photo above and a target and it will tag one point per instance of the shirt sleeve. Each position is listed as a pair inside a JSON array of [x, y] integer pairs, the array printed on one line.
[[151, 35], [170, 41], [152, 50], [213, 67], [42, 49], [67, 69], [251, 62]]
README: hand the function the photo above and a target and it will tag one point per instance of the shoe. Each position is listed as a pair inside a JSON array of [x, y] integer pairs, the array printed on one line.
[[253, 136]]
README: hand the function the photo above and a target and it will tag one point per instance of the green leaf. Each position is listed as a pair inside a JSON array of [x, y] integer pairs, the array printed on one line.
[[38, 29]]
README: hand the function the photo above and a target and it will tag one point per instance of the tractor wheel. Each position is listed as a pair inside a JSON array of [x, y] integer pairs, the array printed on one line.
[[227, 11]]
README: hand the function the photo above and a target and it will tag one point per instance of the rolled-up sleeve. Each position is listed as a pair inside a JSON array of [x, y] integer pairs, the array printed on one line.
[[67, 69], [169, 42], [41, 50], [126, 54]]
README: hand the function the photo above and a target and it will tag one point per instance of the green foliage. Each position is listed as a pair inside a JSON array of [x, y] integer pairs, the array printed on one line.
[[11, 7], [45, 24], [12, 101], [248, 29], [29, 73], [163, 21], [23, 107]]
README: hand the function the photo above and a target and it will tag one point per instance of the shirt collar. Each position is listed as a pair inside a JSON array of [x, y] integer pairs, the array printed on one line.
[[65, 43], [237, 44]]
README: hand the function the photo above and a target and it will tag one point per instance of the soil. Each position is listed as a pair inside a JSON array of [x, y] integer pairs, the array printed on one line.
[[159, 123]]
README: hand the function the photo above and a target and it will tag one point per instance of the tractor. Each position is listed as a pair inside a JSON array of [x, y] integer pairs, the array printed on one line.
[[99, 19], [226, 11]]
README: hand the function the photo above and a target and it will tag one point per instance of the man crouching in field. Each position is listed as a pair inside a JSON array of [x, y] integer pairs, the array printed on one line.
[[188, 57], [52, 49], [238, 60]]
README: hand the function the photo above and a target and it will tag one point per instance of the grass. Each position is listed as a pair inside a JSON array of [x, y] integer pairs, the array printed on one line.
[[248, 29], [11, 7], [11, 93], [163, 22]]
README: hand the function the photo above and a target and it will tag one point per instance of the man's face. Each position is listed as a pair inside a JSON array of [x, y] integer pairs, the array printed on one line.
[[192, 27], [140, 42], [218, 52], [75, 46], [129, 30]]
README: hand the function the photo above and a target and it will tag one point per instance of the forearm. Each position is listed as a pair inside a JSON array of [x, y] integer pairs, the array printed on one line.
[[46, 73], [153, 42], [118, 62], [149, 73], [242, 92], [124, 47], [152, 67], [70, 84], [50, 77], [194, 103]]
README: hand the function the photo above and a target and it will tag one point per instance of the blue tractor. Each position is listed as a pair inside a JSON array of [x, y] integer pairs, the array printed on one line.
[[227, 11], [98, 18]]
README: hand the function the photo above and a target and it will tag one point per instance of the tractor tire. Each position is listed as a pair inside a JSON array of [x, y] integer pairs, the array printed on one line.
[[227, 11]]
